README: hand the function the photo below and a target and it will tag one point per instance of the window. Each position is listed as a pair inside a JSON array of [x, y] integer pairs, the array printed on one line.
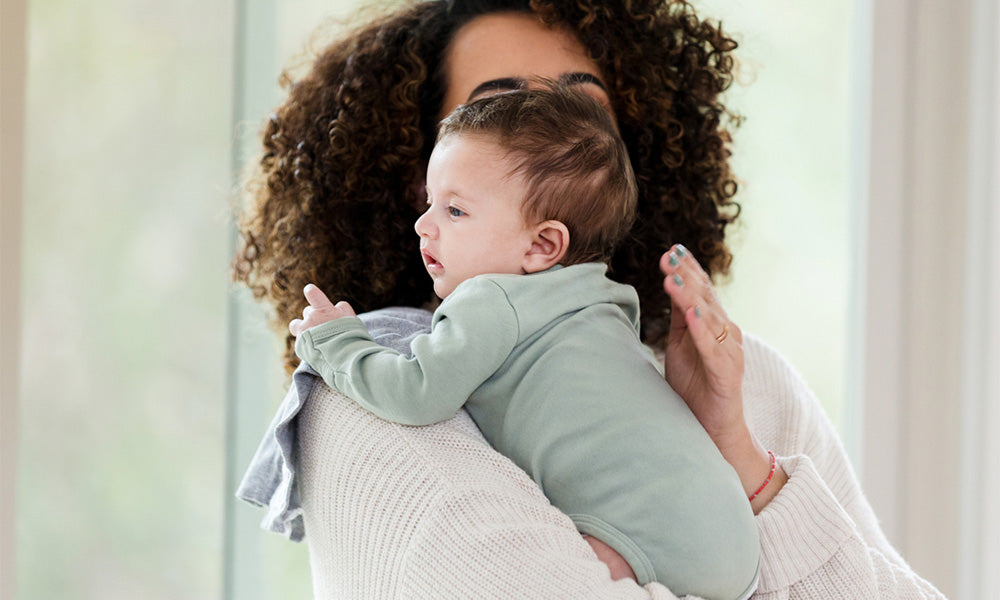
[[792, 247], [124, 284]]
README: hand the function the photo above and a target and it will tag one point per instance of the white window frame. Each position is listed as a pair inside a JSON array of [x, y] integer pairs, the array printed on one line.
[[253, 371]]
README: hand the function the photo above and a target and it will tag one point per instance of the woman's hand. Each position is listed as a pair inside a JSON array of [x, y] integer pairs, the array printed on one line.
[[319, 311], [704, 364], [618, 566]]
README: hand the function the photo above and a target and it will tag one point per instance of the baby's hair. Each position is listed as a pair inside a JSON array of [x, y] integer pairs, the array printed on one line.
[[566, 147]]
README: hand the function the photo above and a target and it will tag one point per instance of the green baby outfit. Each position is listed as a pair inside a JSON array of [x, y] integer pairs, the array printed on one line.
[[551, 368]]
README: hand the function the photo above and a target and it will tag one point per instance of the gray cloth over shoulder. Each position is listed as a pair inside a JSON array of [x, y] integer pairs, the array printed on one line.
[[270, 481]]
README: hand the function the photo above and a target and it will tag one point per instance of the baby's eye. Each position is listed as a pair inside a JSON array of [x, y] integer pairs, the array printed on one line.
[[455, 212]]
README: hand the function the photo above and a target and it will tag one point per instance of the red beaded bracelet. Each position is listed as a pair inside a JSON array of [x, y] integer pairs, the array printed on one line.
[[774, 466]]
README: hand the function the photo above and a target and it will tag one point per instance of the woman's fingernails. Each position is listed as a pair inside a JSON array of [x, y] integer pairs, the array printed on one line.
[[673, 259], [681, 250], [678, 280], [697, 312]]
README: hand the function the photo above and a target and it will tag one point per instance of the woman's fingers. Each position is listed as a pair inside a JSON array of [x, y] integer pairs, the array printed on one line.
[[696, 308], [679, 262], [618, 566], [716, 337], [689, 289]]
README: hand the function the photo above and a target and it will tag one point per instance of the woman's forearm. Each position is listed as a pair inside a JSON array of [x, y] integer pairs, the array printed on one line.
[[753, 464]]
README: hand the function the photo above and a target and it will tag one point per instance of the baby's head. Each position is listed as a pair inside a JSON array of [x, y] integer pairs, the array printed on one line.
[[523, 180]]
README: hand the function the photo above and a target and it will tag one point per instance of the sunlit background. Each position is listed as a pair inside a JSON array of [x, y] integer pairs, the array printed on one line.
[[138, 116]]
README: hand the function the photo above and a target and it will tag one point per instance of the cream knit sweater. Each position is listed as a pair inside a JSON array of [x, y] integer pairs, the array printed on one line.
[[393, 511]]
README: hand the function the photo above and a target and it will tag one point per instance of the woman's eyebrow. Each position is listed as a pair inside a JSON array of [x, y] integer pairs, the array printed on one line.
[[581, 78], [517, 83], [496, 85]]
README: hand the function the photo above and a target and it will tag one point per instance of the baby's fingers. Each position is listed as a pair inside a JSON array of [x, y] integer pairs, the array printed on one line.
[[295, 327], [316, 297], [343, 309]]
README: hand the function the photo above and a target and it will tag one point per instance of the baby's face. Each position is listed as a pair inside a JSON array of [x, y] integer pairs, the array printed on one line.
[[473, 223]]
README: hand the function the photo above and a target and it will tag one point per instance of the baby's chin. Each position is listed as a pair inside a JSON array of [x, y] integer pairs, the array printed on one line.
[[442, 290]]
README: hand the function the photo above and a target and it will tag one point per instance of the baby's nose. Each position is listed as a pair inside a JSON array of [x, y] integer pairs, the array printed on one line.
[[423, 225]]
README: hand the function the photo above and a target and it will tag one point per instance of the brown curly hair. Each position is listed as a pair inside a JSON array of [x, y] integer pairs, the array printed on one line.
[[333, 198]]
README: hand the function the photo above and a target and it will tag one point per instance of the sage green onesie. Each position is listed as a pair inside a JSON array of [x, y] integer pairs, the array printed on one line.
[[551, 368]]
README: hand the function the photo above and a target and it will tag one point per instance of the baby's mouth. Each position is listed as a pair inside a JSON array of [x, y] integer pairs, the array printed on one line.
[[429, 261]]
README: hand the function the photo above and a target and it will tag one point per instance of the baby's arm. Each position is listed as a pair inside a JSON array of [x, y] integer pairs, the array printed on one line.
[[472, 334], [320, 310]]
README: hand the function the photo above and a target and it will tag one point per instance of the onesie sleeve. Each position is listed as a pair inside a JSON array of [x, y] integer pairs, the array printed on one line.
[[472, 334]]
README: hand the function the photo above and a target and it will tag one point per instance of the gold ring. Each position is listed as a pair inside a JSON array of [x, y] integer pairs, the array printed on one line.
[[725, 333]]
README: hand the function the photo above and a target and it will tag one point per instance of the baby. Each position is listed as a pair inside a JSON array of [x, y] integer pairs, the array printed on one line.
[[528, 192]]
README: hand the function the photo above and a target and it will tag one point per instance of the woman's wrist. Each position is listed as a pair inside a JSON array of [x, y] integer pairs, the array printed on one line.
[[753, 465]]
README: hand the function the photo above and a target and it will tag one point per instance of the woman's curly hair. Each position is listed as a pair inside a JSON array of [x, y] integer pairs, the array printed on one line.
[[333, 198]]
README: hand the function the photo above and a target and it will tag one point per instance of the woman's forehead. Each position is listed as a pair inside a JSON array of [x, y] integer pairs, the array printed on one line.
[[507, 51]]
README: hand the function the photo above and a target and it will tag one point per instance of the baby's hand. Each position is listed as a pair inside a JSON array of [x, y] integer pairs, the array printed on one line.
[[319, 311]]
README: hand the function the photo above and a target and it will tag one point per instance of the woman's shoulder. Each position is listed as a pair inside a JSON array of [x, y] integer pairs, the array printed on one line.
[[395, 511], [780, 407], [766, 365], [352, 448], [407, 495]]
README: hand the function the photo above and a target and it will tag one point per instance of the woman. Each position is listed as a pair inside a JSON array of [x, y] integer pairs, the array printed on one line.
[[417, 512]]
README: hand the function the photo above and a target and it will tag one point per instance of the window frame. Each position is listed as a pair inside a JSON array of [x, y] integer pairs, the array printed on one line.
[[13, 65]]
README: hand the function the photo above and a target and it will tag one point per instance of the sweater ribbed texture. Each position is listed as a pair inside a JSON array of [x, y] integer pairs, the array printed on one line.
[[393, 511]]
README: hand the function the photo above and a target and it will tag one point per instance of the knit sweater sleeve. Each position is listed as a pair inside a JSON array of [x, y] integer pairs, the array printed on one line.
[[433, 512], [472, 334], [503, 543], [819, 535]]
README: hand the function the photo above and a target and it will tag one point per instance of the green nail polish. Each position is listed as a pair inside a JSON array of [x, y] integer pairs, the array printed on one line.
[[678, 280], [697, 312], [673, 260], [681, 250]]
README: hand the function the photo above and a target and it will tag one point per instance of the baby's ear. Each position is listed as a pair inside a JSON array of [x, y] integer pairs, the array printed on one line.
[[551, 240]]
